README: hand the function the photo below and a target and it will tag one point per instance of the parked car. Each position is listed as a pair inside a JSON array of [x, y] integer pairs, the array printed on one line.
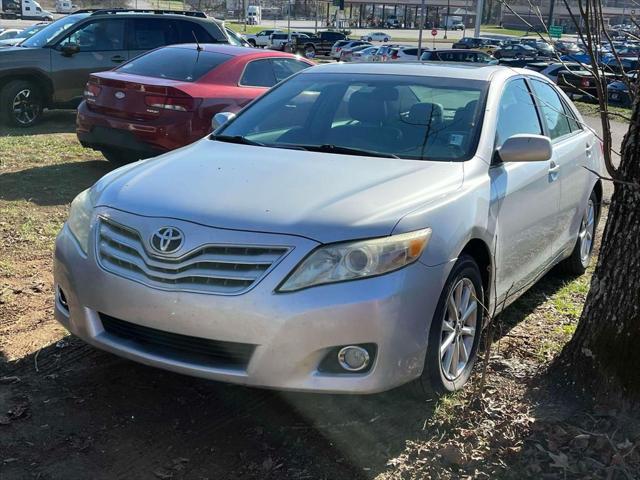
[[343, 45], [580, 82], [165, 99], [261, 39], [487, 45], [331, 238], [365, 53], [279, 41], [23, 35], [51, 68], [543, 48], [552, 71], [384, 52], [457, 26], [564, 47], [403, 54], [618, 90], [516, 51], [392, 22], [346, 53], [376, 37], [459, 55], [337, 47], [321, 44], [10, 33]]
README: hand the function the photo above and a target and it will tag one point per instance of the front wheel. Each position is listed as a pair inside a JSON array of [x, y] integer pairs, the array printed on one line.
[[455, 331], [386, 39], [21, 103], [580, 258]]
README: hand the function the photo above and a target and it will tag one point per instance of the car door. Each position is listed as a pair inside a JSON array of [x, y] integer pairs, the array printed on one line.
[[525, 198], [573, 146], [101, 45]]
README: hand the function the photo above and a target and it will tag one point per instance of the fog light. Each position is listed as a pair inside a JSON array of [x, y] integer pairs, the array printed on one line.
[[353, 358], [62, 299]]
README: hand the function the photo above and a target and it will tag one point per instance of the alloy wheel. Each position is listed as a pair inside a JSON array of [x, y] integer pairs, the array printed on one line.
[[26, 107], [587, 231], [459, 329]]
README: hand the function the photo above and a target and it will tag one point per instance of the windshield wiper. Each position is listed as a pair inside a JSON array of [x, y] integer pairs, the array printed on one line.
[[236, 139], [328, 148]]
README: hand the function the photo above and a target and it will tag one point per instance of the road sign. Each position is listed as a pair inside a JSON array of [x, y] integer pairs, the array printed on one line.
[[556, 31], [434, 32]]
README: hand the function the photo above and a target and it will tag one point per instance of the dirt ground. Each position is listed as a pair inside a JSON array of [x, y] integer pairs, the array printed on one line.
[[70, 411]]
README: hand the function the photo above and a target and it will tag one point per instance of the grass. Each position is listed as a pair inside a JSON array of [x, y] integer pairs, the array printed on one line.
[[504, 31], [240, 28], [593, 109]]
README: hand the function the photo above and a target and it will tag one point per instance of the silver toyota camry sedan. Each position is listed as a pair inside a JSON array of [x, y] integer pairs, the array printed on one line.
[[347, 232]]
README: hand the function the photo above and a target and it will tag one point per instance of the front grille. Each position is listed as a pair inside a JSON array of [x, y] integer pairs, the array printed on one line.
[[219, 269], [202, 351]]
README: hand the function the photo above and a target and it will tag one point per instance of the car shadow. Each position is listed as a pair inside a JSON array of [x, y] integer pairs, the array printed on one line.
[[92, 414], [52, 121], [36, 184]]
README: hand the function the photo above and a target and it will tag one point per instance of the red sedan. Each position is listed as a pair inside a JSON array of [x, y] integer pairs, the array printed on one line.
[[166, 98]]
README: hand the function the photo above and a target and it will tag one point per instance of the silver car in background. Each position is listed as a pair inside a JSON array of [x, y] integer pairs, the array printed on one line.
[[344, 233]]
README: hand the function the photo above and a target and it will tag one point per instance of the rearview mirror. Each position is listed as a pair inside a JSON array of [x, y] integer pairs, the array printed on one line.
[[525, 148], [70, 49], [219, 119]]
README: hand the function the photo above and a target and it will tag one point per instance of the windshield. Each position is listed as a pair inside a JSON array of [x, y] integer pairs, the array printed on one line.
[[52, 30], [408, 117]]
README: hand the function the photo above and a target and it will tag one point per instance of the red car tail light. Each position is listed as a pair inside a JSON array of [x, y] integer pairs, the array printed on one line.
[[179, 104], [91, 91], [394, 55], [584, 83]]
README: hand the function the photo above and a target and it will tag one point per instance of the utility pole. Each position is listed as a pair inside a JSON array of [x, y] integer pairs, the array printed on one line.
[[552, 4], [315, 28], [421, 28], [446, 23], [479, 5]]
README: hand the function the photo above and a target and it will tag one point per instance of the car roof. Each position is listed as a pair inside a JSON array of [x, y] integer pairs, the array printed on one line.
[[415, 69]]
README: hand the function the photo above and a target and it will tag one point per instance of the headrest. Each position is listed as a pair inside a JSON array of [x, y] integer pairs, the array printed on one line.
[[425, 113], [367, 107]]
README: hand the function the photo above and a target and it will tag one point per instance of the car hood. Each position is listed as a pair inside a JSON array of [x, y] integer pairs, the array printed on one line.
[[15, 57], [325, 197]]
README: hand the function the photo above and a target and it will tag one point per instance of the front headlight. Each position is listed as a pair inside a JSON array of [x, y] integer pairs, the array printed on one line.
[[352, 260], [79, 221]]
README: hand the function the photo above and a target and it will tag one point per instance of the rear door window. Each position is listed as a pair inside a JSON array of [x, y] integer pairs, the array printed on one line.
[[178, 63], [258, 73], [285, 67]]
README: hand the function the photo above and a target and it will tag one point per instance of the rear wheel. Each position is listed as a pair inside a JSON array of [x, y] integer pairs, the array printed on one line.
[[455, 331], [386, 39], [21, 103], [580, 258]]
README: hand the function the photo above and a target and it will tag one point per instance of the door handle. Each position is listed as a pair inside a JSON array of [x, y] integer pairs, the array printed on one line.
[[588, 149], [118, 58], [554, 169]]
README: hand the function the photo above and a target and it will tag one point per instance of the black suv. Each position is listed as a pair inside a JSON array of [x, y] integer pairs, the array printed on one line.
[[51, 68]]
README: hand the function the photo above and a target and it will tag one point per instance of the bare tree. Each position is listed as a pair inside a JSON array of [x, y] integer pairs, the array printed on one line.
[[604, 354]]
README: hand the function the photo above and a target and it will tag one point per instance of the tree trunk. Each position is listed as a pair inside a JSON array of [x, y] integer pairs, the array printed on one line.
[[604, 354]]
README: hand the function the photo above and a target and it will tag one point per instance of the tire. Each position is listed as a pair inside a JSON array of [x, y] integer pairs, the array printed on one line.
[[21, 104], [119, 157], [310, 51], [369, 39], [580, 258], [386, 39], [436, 377], [497, 55]]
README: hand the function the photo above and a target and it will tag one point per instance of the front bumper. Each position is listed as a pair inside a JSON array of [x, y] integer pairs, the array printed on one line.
[[292, 332]]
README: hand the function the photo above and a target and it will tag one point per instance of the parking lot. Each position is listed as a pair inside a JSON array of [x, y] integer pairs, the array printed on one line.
[[69, 410]]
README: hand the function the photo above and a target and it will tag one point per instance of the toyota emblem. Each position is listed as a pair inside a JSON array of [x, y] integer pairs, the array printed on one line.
[[119, 95], [167, 240]]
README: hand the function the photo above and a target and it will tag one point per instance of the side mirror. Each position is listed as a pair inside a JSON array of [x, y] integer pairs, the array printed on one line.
[[525, 148], [219, 119], [70, 49]]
